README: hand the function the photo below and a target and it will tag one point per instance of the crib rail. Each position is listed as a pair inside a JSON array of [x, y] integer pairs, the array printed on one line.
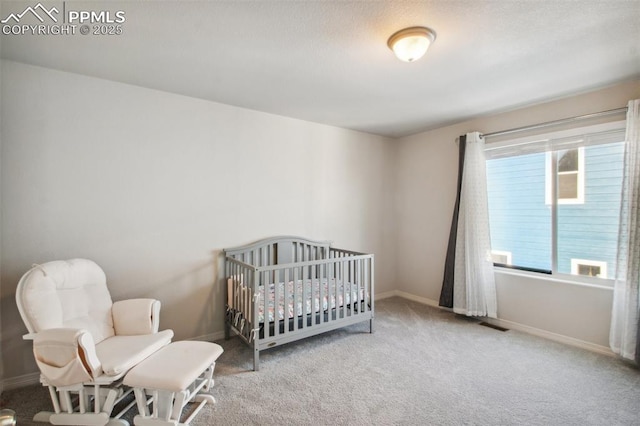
[[280, 250], [240, 295]]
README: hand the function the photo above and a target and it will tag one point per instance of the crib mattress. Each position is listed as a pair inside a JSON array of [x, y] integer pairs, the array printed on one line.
[[305, 303]]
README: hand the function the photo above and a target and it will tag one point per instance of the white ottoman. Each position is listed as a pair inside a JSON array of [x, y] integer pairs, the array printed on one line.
[[173, 376]]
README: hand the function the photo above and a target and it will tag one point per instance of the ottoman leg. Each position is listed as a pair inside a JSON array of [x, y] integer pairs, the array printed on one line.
[[163, 404], [141, 400], [163, 413], [202, 400], [208, 375]]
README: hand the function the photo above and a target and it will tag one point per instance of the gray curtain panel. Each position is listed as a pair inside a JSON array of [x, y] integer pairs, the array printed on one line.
[[446, 295]]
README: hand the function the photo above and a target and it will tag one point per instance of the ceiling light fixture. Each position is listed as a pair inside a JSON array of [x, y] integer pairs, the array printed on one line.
[[410, 44]]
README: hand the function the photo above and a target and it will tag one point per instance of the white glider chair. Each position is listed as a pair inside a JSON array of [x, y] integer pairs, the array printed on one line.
[[83, 343]]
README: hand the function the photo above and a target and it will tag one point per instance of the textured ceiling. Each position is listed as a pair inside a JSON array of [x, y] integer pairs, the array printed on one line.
[[327, 61]]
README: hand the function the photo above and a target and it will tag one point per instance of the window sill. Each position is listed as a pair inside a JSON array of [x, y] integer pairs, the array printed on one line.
[[606, 284]]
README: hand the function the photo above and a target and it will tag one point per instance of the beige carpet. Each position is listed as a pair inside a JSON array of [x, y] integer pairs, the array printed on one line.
[[421, 366]]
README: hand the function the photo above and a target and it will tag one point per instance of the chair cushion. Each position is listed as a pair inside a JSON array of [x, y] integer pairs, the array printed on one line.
[[133, 317], [68, 294], [120, 353]]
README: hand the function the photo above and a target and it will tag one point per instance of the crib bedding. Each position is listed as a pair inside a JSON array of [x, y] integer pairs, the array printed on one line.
[[304, 291]]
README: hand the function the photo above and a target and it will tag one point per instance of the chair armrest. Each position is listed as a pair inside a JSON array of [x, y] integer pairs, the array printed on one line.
[[66, 356], [136, 316]]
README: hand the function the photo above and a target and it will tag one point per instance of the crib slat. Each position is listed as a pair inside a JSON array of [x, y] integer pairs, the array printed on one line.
[[296, 295], [359, 289], [345, 277], [310, 288], [265, 296], [237, 289], [345, 288], [250, 305], [276, 302], [312, 284], [243, 298], [348, 291], [354, 288], [355, 293], [242, 294], [334, 294], [371, 287], [309, 284], [285, 303], [367, 287], [234, 286], [306, 296], [231, 297], [334, 291], [321, 294], [234, 283]]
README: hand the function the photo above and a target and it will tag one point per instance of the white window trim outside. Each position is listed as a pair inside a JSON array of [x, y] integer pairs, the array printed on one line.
[[575, 263], [506, 254], [549, 180]]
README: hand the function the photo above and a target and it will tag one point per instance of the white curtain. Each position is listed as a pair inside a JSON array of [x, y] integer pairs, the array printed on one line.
[[623, 338], [474, 287]]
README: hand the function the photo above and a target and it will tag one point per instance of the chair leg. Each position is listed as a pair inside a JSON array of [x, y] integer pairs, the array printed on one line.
[[66, 413], [54, 399]]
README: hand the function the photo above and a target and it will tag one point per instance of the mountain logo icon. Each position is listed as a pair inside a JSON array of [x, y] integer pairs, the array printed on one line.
[[38, 11]]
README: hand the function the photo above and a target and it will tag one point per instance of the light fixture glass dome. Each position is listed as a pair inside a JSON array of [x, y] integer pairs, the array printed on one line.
[[412, 43]]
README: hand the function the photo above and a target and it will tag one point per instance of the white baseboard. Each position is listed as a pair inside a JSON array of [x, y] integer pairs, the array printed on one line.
[[419, 299], [593, 347], [386, 295], [572, 341], [212, 337], [409, 296], [21, 381]]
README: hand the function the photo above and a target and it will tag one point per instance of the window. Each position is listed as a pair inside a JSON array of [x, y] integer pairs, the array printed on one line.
[[589, 268], [569, 175], [554, 200]]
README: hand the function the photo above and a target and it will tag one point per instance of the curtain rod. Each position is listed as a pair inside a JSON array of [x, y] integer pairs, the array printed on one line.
[[561, 121]]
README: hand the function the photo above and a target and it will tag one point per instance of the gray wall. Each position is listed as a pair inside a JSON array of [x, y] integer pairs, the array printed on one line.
[[153, 185], [426, 183]]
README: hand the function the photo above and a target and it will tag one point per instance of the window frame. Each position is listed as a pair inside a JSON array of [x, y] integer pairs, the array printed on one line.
[[513, 144]]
